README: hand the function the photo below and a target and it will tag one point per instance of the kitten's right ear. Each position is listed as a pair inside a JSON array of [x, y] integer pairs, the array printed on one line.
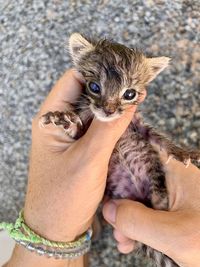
[[78, 46], [156, 65]]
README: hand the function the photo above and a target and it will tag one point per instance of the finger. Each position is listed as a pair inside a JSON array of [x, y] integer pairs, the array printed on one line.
[[125, 244], [181, 189], [175, 167], [104, 133], [51, 137], [125, 248], [158, 229], [67, 89], [120, 237]]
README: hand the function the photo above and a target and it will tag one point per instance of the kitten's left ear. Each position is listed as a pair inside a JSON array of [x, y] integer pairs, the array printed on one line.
[[78, 46], [156, 65]]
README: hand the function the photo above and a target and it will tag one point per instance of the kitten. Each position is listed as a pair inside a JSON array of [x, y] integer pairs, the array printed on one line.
[[116, 77]]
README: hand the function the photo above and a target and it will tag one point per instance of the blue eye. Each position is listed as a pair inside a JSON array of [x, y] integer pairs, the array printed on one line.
[[94, 88]]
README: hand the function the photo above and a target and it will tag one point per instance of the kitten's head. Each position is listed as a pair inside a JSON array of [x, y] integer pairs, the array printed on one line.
[[116, 76]]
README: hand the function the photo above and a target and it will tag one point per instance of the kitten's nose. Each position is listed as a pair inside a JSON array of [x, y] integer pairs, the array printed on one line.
[[109, 110]]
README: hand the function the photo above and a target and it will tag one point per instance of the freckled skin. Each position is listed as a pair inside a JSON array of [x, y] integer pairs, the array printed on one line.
[[135, 170]]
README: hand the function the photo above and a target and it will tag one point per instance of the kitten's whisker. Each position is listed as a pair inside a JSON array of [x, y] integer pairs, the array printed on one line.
[[85, 95], [84, 108], [78, 102]]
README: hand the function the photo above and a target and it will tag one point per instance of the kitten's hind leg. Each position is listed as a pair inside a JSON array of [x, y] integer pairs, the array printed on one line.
[[68, 121], [173, 151]]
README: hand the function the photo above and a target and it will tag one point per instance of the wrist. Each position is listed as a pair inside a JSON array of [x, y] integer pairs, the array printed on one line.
[[23, 258], [51, 228]]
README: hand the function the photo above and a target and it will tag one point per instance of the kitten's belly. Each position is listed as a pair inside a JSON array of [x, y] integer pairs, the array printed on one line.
[[131, 178], [122, 184]]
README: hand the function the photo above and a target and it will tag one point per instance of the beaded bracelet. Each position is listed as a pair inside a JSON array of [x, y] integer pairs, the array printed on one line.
[[26, 237], [58, 253]]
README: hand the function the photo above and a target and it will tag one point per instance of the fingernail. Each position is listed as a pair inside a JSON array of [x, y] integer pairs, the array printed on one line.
[[109, 211]]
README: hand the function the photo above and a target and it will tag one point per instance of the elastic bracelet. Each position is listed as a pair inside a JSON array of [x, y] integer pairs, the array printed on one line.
[[58, 253], [26, 237]]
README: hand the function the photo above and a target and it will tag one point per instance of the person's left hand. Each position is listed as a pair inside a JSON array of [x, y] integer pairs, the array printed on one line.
[[67, 180]]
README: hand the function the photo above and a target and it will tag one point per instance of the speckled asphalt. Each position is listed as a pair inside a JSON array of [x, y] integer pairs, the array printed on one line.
[[33, 37]]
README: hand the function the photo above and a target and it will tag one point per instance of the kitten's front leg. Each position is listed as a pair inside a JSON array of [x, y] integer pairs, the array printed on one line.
[[173, 151], [68, 121]]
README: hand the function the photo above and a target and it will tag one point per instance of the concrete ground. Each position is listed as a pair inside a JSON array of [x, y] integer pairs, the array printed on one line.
[[7, 245], [33, 38]]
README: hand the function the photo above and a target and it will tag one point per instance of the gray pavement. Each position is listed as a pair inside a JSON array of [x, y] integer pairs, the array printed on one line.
[[33, 38]]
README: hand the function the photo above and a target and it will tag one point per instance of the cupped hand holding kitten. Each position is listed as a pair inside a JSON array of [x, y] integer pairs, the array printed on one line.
[[176, 233], [67, 182], [66, 179], [70, 175]]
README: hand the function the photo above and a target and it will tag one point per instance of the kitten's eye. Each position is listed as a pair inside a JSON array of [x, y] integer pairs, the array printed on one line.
[[94, 88], [129, 94]]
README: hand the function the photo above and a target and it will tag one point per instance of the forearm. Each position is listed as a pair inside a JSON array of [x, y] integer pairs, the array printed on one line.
[[21, 257]]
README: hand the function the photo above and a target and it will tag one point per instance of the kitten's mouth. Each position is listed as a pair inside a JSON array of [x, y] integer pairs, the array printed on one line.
[[102, 116]]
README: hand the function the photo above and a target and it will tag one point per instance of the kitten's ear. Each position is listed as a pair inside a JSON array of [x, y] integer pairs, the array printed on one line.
[[156, 65], [78, 45]]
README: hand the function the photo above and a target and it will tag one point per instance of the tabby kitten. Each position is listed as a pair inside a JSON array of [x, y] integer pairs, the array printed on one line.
[[116, 77]]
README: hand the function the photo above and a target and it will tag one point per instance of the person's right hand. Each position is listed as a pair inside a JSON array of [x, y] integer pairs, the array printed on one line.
[[176, 233]]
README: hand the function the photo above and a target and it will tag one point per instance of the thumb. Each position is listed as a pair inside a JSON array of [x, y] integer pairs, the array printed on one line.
[[157, 229], [101, 137], [106, 134]]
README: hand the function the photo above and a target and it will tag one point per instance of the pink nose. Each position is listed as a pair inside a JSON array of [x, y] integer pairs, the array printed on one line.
[[109, 110]]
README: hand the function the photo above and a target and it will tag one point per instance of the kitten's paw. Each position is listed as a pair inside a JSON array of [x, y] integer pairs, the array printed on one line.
[[195, 156], [68, 121], [169, 158], [180, 154], [184, 156]]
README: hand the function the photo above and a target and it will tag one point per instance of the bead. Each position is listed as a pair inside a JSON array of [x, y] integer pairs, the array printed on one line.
[[40, 251], [49, 253], [58, 253], [23, 243], [30, 247]]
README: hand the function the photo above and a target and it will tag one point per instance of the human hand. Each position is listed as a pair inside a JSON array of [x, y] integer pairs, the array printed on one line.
[[67, 179], [176, 233]]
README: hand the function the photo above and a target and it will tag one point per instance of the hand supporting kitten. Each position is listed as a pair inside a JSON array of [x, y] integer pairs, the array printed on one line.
[[115, 80]]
